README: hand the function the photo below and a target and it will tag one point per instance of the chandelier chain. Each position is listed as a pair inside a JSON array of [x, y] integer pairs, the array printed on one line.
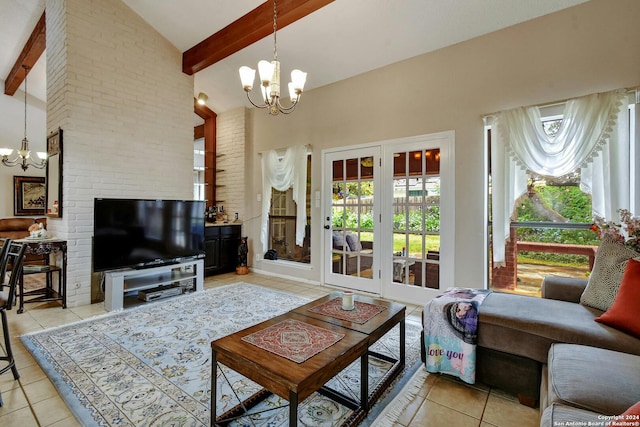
[[24, 159], [275, 27], [26, 71]]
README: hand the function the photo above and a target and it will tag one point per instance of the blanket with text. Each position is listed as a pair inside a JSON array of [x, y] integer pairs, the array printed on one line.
[[451, 332]]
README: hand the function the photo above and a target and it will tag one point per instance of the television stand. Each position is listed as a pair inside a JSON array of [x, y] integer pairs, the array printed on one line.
[[122, 286]]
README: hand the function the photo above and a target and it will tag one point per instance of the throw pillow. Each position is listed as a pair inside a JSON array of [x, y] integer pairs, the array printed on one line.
[[605, 278], [629, 416], [623, 313], [339, 242], [353, 242]]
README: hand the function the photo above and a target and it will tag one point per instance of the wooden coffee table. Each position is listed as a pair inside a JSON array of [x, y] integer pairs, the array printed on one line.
[[375, 329], [290, 380]]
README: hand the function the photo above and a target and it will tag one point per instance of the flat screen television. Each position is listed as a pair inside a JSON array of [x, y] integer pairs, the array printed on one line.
[[133, 233]]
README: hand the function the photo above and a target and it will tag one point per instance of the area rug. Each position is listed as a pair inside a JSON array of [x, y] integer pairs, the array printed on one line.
[[151, 365], [395, 407]]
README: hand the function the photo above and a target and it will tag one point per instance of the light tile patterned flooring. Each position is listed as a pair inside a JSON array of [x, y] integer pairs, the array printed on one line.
[[442, 401]]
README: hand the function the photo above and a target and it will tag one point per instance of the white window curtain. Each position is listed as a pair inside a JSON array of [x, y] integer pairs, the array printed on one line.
[[590, 137], [282, 171]]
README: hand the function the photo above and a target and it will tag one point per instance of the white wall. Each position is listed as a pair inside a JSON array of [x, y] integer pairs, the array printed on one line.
[[116, 88], [588, 48], [230, 147], [11, 134]]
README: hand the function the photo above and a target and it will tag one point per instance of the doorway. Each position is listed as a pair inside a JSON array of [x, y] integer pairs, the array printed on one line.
[[389, 217], [350, 221]]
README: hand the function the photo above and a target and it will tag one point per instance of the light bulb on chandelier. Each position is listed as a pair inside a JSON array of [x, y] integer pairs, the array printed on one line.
[[270, 80], [24, 158]]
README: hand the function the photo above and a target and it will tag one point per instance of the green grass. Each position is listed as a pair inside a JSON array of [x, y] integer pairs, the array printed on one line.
[[415, 243]]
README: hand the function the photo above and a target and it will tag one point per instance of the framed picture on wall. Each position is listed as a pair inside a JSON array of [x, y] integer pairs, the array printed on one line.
[[28, 195]]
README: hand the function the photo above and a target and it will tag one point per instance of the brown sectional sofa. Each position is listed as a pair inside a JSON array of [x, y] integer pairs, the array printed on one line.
[[516, 332], [588, 385]]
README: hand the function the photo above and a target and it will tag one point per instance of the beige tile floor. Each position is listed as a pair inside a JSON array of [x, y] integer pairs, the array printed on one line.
[[34, 401]]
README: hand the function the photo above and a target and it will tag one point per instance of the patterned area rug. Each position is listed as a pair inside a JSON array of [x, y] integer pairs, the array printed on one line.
[[151, 365]]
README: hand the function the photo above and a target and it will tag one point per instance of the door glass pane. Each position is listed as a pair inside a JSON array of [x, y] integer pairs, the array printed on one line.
[[433, 161], [338, 173], [415, 163], [416, 218], [399, 164], [366, 168], [352, 217]]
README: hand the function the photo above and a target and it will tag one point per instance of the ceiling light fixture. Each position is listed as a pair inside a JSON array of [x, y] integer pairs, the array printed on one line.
[[270, 78], [202, 98], [24, 154]]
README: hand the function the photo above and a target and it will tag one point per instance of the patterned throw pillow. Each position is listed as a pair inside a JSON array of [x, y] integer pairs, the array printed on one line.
[[611, 260]]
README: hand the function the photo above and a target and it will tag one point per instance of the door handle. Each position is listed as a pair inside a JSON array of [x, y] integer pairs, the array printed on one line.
[[327, 227]]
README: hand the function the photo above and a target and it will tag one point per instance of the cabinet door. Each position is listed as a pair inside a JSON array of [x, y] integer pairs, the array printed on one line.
[[228, 253], [212, 258]]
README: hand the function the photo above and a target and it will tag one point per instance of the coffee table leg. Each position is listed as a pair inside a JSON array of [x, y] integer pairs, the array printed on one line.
[[402, 343], [293, 409], [364, 382], [214, 398]]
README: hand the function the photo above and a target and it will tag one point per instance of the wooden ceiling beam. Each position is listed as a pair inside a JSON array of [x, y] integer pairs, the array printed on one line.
[[245, 31], [30, 54]]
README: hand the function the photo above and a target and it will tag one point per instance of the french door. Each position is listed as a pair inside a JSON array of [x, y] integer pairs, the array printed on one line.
[[352, 219], [418, 217], [389, 217]]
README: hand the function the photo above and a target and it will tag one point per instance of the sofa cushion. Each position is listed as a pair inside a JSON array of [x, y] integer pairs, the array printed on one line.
[[527, 326], [611, 259], [594, 379], [353, 242], [339, 241], [623, 313], [562, 415]]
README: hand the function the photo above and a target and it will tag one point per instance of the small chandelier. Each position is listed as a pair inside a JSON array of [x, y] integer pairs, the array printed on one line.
[[270, 78], [24, 154]]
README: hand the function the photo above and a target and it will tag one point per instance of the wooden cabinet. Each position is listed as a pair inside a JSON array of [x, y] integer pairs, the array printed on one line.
[[221, 246]]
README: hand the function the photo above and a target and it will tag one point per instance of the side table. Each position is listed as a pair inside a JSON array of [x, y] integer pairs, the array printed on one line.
[[47, 293]]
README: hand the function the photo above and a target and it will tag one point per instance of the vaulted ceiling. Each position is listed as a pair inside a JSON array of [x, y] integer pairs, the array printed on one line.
[[339, 40]]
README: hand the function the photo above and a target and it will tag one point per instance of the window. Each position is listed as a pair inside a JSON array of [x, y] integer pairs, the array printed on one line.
[[198, 169], [552, 221], [282, 224]]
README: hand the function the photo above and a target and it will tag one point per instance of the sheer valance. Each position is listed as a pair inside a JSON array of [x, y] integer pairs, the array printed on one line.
[[585, 128], [283, 171], [591, 137]]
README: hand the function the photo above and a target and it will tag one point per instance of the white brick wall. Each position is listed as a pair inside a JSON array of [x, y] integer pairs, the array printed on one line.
[[230, 141], [116, 88]]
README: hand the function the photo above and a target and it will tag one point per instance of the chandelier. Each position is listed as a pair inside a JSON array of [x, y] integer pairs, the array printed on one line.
[[270, 78], [24, 154]]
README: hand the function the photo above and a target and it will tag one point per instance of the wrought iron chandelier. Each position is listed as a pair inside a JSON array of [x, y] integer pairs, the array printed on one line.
[[270, 79], [24, 154]]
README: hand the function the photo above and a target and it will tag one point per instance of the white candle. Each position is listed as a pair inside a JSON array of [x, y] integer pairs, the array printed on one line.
[[347, 300]]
